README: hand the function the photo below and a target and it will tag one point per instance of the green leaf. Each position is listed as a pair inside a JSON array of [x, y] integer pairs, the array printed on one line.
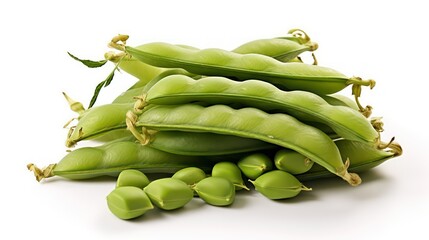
[[98, 88], [110, 78], [88, 63]]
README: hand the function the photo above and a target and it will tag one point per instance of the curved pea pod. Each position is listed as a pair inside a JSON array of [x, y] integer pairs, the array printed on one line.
[[112, 158], [169, 193], [283, 49], [205, 143], [101, 123], [132, 177], [231, 172], [278, 184], [218, 62], [305, 106], [190, 175], [254, 165], [216, 191], [363, 157], [292, 162], [128, 202], [279, 129]]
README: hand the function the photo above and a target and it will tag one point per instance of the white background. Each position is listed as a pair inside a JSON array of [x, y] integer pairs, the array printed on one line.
[[383, 40]]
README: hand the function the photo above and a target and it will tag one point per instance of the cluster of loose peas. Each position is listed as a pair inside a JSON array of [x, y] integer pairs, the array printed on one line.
[[218, 122]]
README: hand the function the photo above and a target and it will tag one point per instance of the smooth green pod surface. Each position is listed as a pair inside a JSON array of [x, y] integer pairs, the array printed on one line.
[[305, 106], [216, 191], [278, 184], [231, 172], [205, 144], [169, 193], [132, 177], [218, 62], [254, 165], [292, 162], [190, 175], [340, 100], [279, 129], [128, 202]]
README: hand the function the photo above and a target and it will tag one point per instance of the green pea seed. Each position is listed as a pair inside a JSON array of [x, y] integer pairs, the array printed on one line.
[[190, 175], [292, 162], [132, 177], [278, 184], [169, 193], [230, 171], [216, 191], [128, 202], [255, 165]]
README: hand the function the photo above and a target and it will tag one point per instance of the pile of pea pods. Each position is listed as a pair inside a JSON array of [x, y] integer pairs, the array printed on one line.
[[202, 124]]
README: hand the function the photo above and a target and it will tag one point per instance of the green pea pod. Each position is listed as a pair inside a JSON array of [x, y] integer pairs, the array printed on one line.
[[102, 123], [305, 106], [362, 158], [112, 158], [279, 129], [283, 49], [218, 62]]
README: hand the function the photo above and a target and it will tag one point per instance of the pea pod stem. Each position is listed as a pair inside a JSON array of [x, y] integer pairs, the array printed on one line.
[[143, 136], [40, 174], [300, 34], [357, 84]]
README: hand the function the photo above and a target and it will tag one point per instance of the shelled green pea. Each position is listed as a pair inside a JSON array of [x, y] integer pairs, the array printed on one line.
[[169, 193], [132, 177], [292, 162], [216, 191], [230, 171], [278, 184], [128, 202], [190, 175], [255, 165]]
